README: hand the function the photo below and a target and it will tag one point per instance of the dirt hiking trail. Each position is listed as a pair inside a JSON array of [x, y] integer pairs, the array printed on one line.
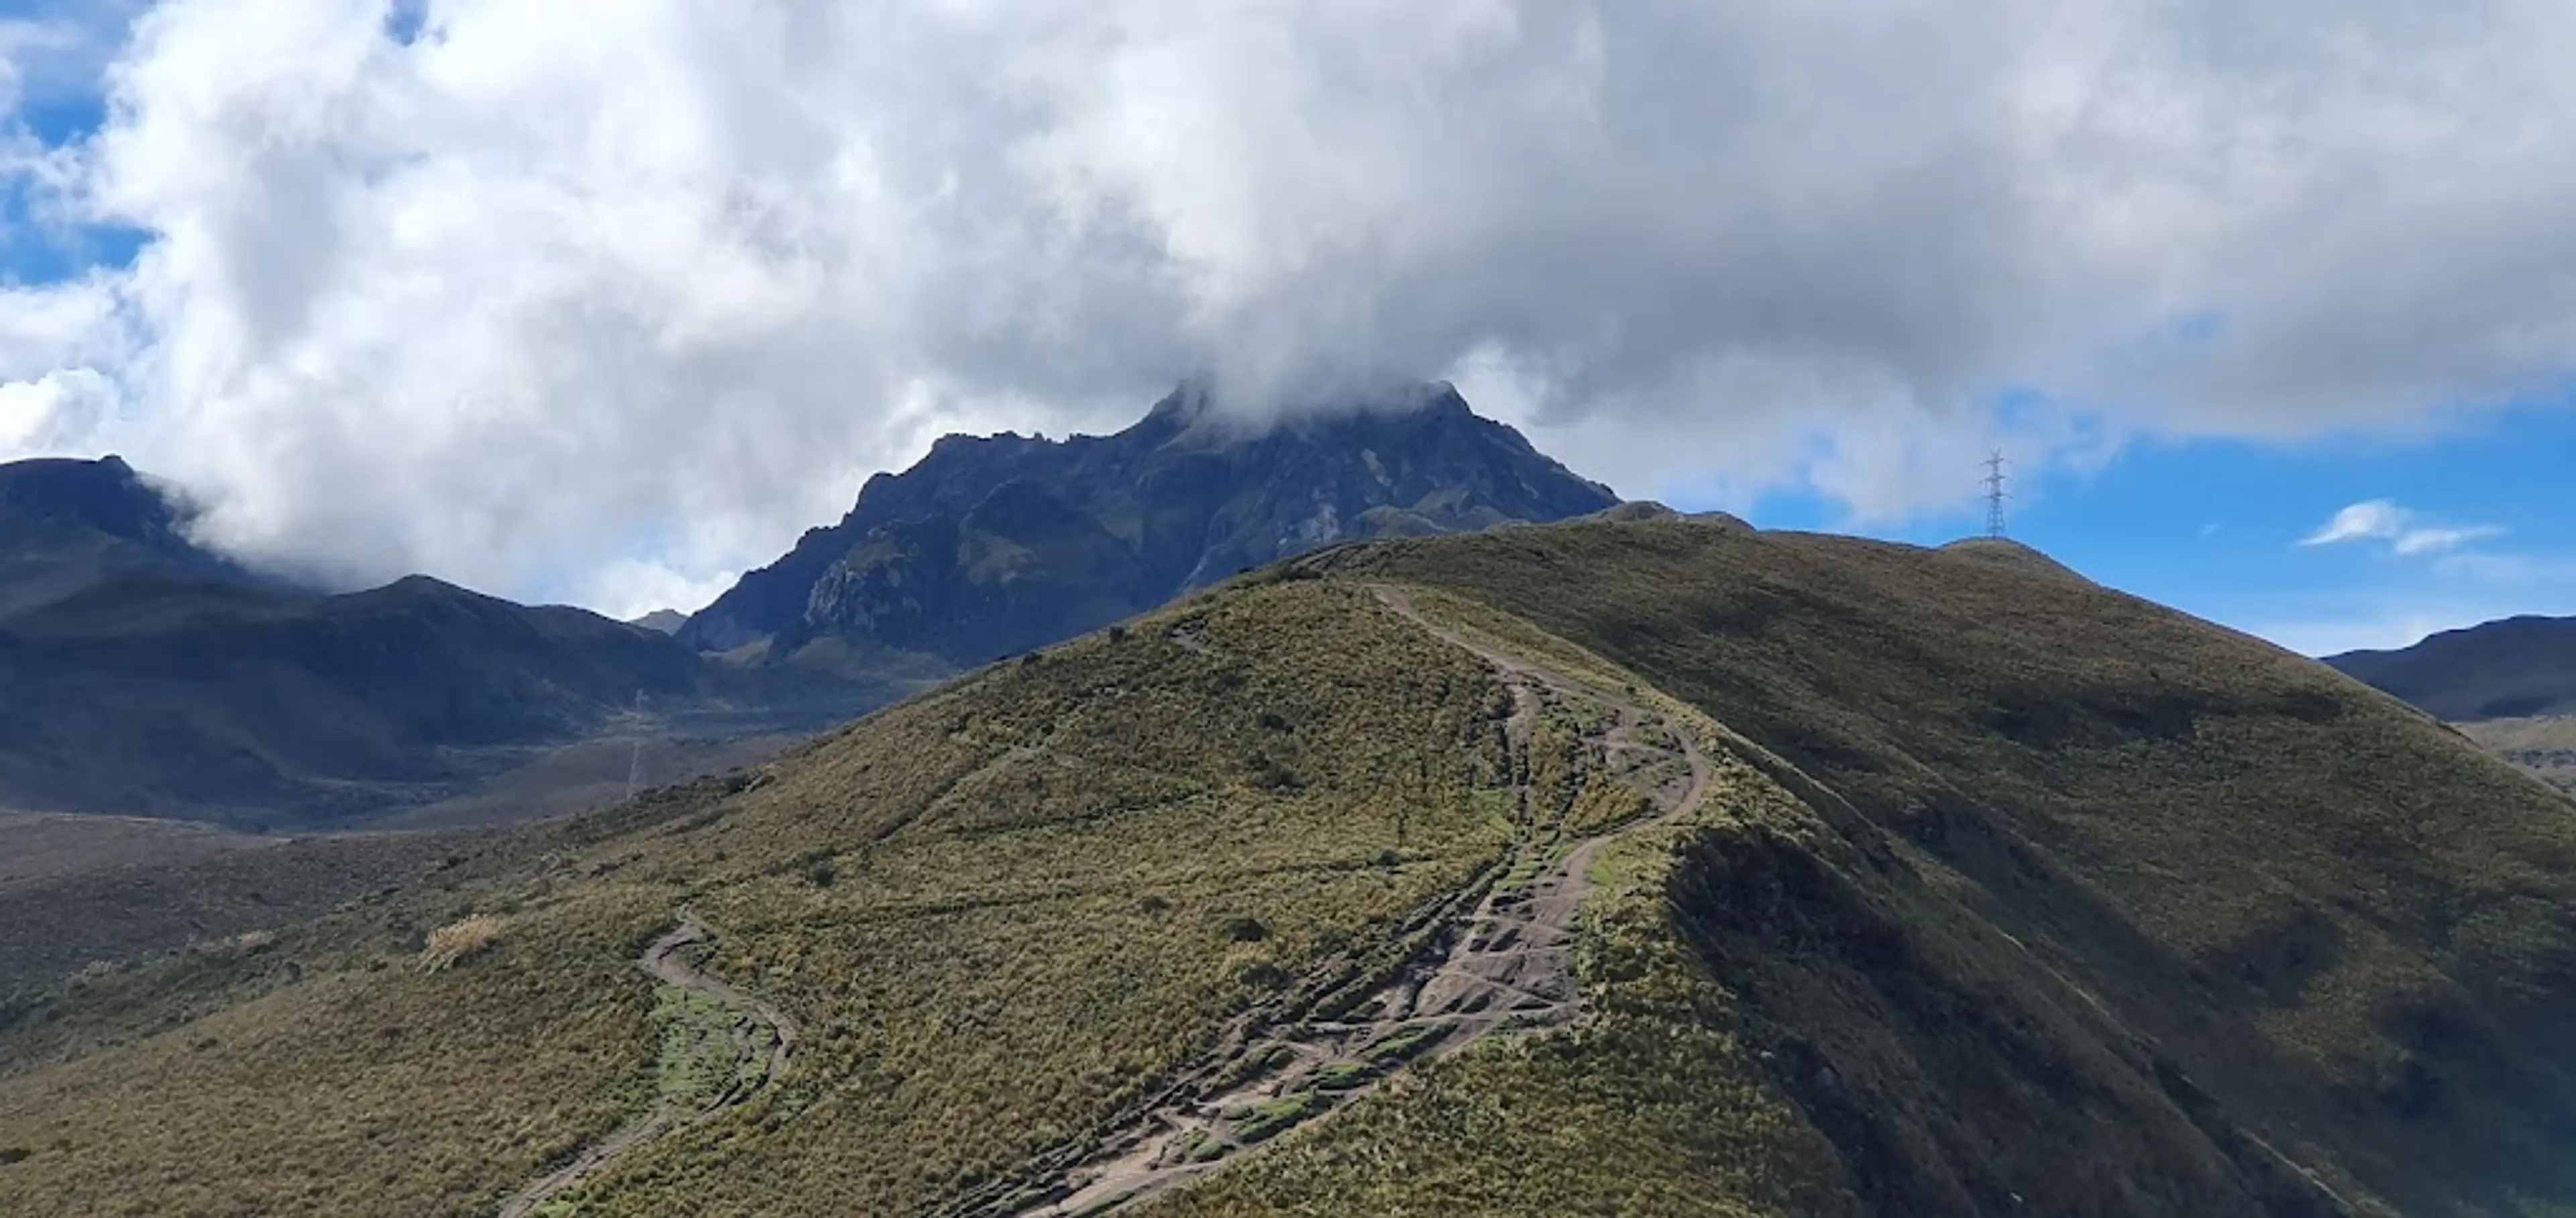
[[1495, 960], [761, 1039]]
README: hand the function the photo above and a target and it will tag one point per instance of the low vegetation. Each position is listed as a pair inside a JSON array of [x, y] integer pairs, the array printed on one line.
[[458, 940], [2544, 745], [2012, 893], [1044, 899]]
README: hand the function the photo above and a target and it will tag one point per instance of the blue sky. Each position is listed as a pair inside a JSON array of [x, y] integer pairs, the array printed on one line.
[[2232, 530], [492, 289]]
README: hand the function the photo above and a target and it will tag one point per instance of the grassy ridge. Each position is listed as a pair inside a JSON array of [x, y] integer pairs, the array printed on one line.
[[1130, 840], [2014, 893], [998, 911], [2544, 745], [2251, 905], [1656, 1104]]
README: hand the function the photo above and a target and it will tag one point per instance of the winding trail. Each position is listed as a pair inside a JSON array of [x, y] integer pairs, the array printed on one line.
[[762, 1039], [1501, 964]]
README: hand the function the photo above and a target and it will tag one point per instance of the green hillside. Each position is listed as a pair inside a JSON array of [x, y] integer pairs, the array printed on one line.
[[1638, 867], [2544, 745]]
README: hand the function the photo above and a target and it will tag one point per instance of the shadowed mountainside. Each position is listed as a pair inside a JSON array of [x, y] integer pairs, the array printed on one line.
[[68, 525], [2518, 667], [260, 707], [150, 676], [1898, 881], [994, 545], [143, 674]]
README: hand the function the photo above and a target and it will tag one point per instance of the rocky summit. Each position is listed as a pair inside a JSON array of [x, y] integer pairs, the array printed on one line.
[[994, 545], [69, 525]]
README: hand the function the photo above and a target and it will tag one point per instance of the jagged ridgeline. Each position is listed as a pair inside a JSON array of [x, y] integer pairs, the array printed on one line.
[[1638, 865], [996, 544]]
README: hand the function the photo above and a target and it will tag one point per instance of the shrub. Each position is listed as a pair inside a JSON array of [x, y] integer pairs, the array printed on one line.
[[1243, 929], [458, 940]]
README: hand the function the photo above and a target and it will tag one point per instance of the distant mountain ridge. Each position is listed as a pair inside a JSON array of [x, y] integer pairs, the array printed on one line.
[[67, 525], [661, 621], [141, 673], [998, 544], [146, 674], [2507, 669]]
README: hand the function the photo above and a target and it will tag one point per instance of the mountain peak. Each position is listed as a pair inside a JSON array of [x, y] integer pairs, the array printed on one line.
[[997, 544], [660, 621], [106, 491], [67, 524]]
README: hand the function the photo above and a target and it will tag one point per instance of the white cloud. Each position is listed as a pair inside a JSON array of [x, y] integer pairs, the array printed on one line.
[[47, 413], [2376, 519], [629, 588], [550, 278], [2383, 520], [2439, 540]]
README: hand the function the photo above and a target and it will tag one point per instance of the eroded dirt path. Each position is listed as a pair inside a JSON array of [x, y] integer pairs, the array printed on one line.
[[761, 1039], [1492, 963]]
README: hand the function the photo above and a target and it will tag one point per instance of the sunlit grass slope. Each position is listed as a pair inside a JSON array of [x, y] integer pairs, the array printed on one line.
[[998, 911], [2011, 894], [2072, 899]]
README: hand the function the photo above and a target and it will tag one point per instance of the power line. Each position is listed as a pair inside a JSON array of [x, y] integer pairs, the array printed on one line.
[[635, 759], [1995, 494]]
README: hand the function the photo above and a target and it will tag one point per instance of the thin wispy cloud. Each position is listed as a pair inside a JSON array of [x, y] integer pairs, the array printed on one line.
[[2437, 541], [2511, 570], [2383, 520]]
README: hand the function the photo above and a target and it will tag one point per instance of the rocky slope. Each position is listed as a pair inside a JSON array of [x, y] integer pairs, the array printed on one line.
[[1644, 866], [998, 544]]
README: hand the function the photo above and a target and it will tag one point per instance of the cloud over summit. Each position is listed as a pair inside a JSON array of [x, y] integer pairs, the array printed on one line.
[[601, 300]]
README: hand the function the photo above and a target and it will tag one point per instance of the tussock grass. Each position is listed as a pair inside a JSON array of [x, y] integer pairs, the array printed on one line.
[[1270, 1118], [459, 940], [1044, 882], [2242, 906], [2544, 745], [2012, 886]]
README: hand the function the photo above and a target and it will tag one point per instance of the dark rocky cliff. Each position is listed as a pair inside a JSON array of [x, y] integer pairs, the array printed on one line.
[[993, 545]]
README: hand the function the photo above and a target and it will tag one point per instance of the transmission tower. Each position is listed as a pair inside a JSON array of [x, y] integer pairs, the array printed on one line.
[[1995, 494], [635, 759]]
